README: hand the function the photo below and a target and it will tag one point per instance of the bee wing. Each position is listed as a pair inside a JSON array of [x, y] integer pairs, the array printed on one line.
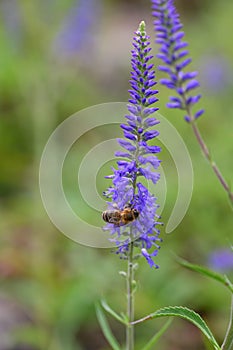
[[114, 221]]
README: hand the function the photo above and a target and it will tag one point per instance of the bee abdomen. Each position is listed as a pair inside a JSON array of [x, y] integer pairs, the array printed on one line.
[[112, 216], [105, 216]]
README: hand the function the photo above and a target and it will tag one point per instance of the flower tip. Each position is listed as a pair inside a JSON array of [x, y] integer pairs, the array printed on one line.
[[142, 27]]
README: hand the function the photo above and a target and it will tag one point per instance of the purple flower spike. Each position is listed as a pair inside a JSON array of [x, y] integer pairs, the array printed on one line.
[[138, 161], [173, 53]]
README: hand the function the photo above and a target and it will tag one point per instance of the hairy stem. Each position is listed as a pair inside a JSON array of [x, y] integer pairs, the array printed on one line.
[[205, 150], [130, 301], [212, 163]]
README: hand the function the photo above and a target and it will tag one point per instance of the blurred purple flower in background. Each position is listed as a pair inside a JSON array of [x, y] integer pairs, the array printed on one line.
[[138, 159], [221, 260], [78, 30], [216, 74], [173, 53]]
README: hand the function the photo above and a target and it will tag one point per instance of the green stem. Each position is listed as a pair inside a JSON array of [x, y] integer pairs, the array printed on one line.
[[130, 301], [130, 273], [228, 341], [212, 163], [204, 147]]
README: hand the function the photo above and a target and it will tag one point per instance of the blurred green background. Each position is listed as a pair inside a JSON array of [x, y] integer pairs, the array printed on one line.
[[58, 57]]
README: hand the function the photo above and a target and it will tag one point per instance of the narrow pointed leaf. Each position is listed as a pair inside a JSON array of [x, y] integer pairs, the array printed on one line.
[[158, 335], [223, 279], [106, 329], [228, 341], [187, 314], [111, 312]]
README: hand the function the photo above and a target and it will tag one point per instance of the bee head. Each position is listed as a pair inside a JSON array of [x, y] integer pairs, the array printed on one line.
[[136, 213]]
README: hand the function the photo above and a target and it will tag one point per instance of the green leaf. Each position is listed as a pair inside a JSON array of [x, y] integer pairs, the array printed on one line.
[[187, 314], [228, 341], [158, 335], [223, 279], [111, 312], [106, 329]]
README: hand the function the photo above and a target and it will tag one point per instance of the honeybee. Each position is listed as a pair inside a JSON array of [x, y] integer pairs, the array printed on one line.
[[120, 217]]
